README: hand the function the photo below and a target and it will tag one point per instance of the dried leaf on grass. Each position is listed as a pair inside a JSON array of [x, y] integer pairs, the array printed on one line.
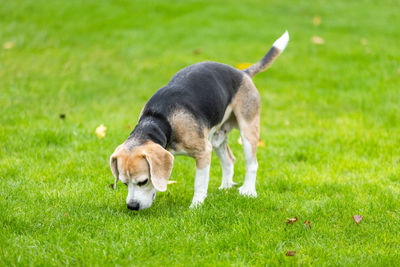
[[101, 131], [290, 253], [261, 143], [8, 45], [291, 220], [364, 41], [357, 218], [242, 66], [317, 20], [171, 182], [197, 51], [307, 224], [317, 40]]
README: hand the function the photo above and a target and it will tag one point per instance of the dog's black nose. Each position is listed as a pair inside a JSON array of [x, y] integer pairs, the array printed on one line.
[[133, 205]]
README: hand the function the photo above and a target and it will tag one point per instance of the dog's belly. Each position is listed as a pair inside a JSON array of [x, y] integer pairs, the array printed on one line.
[[227, 114], [219, 132]]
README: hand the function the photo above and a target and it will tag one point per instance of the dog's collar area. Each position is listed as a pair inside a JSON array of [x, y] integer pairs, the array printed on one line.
[[156, 129]]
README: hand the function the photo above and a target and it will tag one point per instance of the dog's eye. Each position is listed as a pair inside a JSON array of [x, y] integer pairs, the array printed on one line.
[[142, 183]]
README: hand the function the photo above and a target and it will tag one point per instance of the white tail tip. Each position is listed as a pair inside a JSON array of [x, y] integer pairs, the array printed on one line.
[[282, 42]]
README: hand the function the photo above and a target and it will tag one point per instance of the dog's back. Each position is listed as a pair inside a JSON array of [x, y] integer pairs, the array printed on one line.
[[204, 89]]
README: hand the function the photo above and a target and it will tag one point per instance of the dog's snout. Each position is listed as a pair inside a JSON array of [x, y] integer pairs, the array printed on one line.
[[133, 205]]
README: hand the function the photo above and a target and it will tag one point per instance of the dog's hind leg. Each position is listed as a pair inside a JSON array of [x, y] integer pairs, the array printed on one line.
[[249, 140], [224, 153], [227, 160], [247, 111]]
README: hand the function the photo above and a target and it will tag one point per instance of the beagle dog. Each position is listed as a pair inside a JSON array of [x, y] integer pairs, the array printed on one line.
[[193, 115]]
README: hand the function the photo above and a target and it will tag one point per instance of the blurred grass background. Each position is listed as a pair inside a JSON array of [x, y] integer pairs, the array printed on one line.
[[330, 124]]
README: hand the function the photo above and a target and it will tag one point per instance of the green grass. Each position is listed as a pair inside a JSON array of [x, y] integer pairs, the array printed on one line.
[[330, 123]]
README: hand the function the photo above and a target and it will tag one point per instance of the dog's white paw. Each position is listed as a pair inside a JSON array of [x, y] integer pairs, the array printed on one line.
[[247, 191], [197, 201], [196, 204], [227, 185]]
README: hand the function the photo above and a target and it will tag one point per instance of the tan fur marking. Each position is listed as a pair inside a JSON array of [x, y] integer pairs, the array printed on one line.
[[246, 107], [131, 164], [203, 158], [191, 137], [246, 103], [252, 134], [230, 154]]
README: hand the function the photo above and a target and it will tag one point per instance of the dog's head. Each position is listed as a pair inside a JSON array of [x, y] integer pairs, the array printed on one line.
[[144, 169]]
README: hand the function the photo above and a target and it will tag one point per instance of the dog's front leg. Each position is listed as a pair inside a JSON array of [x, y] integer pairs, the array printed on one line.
[[200, 186], [203, 160]]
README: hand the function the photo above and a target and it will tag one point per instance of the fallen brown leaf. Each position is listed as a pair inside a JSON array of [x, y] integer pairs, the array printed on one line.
[[364, 41], [62, 116], [197, 51], [317, 40], [171, 182], [290, 253], [357, 218], [101, 131], [307, 224], [127, 126], [260, 143], [317, 20], [8, 45], [291, 220], [242, 66]]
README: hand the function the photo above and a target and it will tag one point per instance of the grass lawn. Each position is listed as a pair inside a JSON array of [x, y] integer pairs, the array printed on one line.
[[330, 123]]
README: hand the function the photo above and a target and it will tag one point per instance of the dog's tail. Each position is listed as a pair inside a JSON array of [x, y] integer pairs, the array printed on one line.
[[276, 49]]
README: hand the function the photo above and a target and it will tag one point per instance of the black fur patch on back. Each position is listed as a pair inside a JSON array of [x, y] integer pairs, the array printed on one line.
[[203, 89]]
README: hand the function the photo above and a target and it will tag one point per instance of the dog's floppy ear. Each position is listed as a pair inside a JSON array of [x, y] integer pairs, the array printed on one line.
[[114, 168], [160, 162], [114, 164]]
